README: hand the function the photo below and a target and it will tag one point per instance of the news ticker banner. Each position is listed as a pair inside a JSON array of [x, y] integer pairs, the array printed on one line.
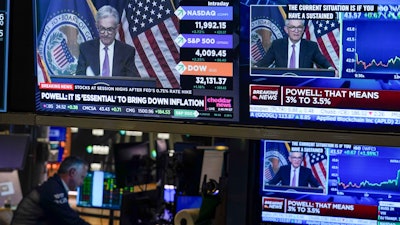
[[323, 97], [132, 101], [284, 205], [324, 104], [206, 44], [287, 210], [325, 11], [4, 27]]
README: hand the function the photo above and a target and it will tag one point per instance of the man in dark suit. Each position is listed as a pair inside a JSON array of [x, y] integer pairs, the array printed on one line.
[[47, 204], [294, 174], [105, 56], [294, 51]]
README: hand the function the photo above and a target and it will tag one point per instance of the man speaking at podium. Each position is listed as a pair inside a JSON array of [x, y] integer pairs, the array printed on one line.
[[294, 51], [106, 56], [294, 174]]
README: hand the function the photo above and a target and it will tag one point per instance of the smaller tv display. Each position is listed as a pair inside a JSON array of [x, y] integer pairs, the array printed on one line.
[[133, 164], [99, 190], [14, 150], [356, 184]]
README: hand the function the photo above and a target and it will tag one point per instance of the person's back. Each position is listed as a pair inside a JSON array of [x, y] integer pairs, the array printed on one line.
[[28, 211], [48, 204]]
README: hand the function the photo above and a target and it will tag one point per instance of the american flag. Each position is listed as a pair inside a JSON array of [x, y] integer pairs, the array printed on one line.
[[326, 34], [257, 50], [151, 27], [42, 73], [317, 163], [269, 172]]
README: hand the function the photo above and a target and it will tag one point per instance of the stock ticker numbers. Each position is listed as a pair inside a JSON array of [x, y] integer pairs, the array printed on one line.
[[206, 46]]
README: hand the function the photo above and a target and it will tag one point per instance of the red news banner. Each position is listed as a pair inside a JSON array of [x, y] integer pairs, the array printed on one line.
[[323, 97], [319, 208]]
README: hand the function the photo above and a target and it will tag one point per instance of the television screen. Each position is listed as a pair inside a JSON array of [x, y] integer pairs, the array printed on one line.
[[99, 190], [4, 42], [187, 202], [169, 60], [133, 164], [335, 183], [14, 150], [345, 68]]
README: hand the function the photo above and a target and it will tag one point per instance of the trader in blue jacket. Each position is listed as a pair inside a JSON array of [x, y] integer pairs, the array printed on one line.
[[48, 204]]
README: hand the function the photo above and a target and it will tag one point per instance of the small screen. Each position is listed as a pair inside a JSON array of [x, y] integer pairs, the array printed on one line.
[[133, 164], [187, 202], [13, 149], [339, 183], [99, 190]]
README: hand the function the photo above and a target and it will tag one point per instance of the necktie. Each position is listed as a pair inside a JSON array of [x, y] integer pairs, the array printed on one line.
[[106, 66], [292, 63], [293, 183]]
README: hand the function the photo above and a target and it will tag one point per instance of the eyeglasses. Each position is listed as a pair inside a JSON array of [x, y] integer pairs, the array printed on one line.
[[293, 28], [109, 30], [296, 158]]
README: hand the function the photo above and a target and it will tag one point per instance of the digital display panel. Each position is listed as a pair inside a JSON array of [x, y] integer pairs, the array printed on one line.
[[349, 189], [99, 190], [4, 33], [347, 68], [185, 63]]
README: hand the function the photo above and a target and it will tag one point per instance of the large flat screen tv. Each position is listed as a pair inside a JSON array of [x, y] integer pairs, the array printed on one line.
[[185, 54], [347, 73], [355, 183]]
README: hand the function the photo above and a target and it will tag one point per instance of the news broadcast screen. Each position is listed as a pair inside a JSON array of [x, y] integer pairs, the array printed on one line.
[[169, 60], [346, 64], [356, 184], [4, 34]]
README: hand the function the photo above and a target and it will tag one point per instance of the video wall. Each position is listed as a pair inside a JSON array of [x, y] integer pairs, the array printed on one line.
[[350, 189], [223, 61]]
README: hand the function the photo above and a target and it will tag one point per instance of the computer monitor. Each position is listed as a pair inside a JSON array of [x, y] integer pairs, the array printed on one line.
[[99, 190], [13, 150], [133, 165]]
